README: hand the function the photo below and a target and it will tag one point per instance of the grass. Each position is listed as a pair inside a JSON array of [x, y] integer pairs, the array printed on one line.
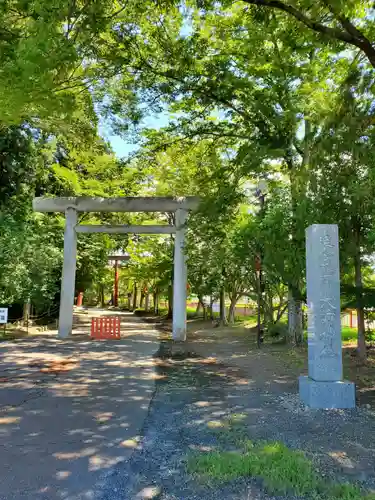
[[250, 320], [282, 471], [350, 334]]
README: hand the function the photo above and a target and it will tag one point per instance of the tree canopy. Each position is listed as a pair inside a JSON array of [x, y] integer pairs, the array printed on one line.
[[268, 92]]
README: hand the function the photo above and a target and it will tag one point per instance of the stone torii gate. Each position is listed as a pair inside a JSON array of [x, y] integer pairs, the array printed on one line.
[[72, 206]]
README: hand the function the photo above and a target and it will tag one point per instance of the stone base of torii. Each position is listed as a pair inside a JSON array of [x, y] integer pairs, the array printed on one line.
[[72, 206]]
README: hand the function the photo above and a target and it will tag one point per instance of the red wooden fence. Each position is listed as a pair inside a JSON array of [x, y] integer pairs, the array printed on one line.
[[106, 328]]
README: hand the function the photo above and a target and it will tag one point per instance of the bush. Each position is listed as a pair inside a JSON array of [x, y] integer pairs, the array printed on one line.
[[278, 330]]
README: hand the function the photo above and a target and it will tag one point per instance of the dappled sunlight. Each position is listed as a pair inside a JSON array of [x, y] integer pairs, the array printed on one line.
[[131, 443], [218, 413], [103, 417], [214, 424], [63, 474], [73, 390], [126, 364], [86, 452], [72, 409], [342, 459], [202, 448], [99, 462], [9, 420], [150, 375], [79, 423], [203, 404]]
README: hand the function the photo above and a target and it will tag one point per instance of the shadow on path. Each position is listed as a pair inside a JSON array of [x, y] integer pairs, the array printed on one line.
[[72, 409]]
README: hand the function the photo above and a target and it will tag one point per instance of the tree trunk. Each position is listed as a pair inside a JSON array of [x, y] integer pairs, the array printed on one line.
[[299, 326], [211, 308], [260, 308], [170, 302], [101, 295], [142, 299], [198, 308], [26, 313], [223, 316], [135, 297], [268, 309], [201, 305], [295, 328], [232, 310], [156, 303], [147, 302], [361, 339], [295, 331]]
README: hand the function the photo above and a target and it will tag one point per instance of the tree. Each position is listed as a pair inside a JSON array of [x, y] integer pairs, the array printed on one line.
[[345, 147], [266, 108], [331, 19], [246, 103], [34, 163]]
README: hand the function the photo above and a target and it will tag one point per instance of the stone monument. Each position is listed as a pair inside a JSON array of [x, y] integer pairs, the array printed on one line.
[[324, 387]]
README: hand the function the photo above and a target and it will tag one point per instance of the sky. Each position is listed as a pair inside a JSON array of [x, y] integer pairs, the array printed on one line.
[[120, 145]]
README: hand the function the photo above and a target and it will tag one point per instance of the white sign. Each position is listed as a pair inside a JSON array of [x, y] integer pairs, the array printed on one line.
[[3, 315]]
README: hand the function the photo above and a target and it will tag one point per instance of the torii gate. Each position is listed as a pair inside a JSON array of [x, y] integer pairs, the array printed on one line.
[[71, 206], [117, 259]]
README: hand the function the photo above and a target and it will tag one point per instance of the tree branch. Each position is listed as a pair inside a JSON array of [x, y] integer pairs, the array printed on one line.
[[350, 35], [363, 42], [118, 12]]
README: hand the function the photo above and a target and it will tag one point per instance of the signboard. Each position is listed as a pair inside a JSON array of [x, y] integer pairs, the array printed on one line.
[[3, 315]]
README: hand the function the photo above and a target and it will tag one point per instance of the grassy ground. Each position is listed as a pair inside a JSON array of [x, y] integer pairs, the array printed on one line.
[[294, 358], [250, 320], [349, 335], [282, 471]]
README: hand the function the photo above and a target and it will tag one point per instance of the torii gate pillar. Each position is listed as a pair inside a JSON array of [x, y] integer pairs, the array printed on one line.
[[179, 279], [68, 274]]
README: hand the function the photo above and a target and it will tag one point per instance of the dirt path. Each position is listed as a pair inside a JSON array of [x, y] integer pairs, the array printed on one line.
[[70, 410]]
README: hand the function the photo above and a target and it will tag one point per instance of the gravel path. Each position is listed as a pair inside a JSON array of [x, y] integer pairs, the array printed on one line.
[[194, 396]]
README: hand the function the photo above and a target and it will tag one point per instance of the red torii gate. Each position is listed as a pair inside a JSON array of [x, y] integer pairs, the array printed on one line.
[[116, 259]]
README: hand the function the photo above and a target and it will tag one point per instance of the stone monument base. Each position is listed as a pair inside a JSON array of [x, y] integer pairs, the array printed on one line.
[[340, 394]]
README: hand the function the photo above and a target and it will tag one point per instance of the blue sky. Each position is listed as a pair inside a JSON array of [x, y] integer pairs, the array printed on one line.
[[120, 145]]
